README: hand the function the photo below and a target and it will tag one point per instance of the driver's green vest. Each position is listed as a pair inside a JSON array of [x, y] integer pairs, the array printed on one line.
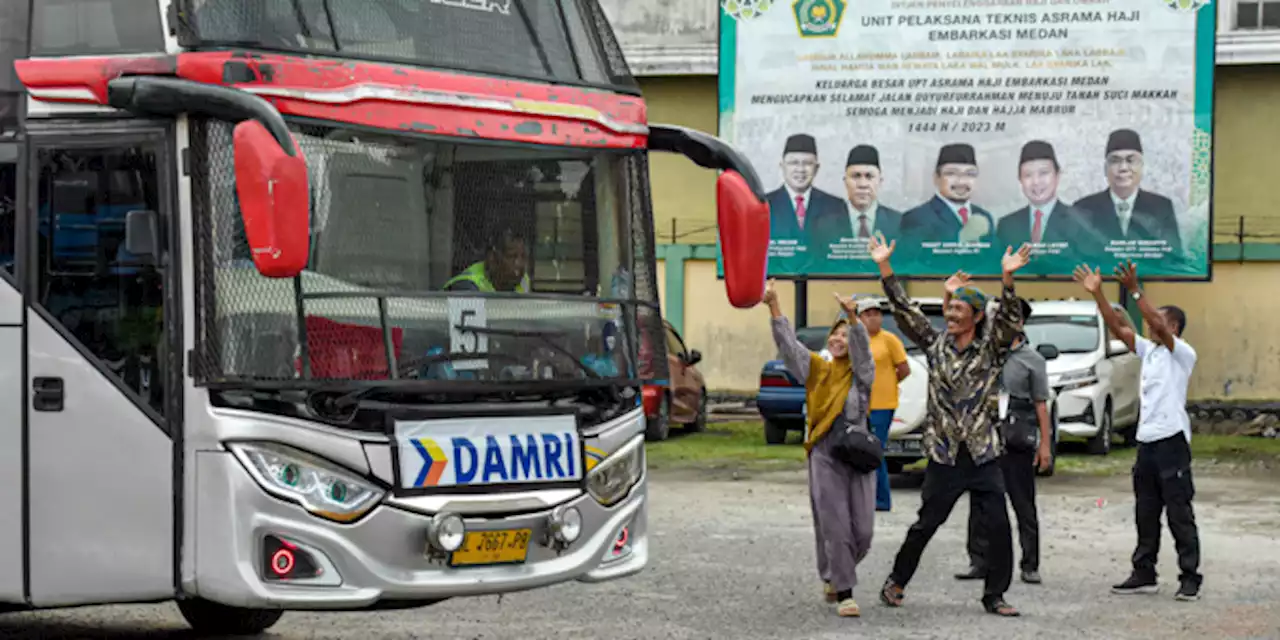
[[475, 275]]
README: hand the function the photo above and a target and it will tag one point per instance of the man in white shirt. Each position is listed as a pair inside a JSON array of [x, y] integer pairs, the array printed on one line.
[[1162, 474]]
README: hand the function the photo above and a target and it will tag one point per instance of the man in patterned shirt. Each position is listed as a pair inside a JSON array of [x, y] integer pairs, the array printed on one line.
[[960, 434]]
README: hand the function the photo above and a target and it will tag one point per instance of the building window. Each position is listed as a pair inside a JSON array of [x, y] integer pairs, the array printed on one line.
[[1258, 15]]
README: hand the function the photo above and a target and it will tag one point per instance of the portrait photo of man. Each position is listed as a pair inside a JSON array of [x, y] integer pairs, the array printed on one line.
[[1045, 220], [943, 216], [866, 216], [1124, 211], [797, 206]]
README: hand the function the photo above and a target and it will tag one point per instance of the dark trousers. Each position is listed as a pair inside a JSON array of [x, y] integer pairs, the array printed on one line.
[[943, 486], [1018, 469], [1162, 482]]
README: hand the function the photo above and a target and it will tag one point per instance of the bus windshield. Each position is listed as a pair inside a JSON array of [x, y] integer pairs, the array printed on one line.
[[564, 41], [434, 261]]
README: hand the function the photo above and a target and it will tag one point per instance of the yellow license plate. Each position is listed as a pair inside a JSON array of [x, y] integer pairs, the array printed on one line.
[[492, 547]]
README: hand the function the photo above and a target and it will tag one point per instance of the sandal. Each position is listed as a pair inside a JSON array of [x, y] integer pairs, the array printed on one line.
[[1001, 608], [849, 609], [891, 594]]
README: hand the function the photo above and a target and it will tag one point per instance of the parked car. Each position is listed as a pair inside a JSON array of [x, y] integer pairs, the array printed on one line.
[[1095, 376], [682, 398]]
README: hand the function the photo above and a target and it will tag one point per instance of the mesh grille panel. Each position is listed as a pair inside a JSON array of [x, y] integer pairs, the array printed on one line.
[[545, 251]]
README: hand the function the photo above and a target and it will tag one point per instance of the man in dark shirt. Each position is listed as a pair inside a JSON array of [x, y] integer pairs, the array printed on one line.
[[1124, 210], [1025, 382], [960, 423]]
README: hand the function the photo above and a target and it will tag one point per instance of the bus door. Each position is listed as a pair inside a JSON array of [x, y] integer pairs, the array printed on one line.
[[12, 559], [103, 372]]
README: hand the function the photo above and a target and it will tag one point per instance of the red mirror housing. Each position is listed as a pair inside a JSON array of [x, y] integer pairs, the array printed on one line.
[[274, 201], [744, 239]]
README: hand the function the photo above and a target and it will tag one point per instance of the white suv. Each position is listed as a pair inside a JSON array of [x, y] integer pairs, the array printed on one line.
[[1095, 377]]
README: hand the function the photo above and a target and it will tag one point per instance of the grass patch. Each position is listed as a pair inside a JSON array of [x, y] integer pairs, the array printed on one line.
[[740, 446]]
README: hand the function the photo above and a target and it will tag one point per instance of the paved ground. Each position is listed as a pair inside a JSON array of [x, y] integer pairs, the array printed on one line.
[[733, 559]]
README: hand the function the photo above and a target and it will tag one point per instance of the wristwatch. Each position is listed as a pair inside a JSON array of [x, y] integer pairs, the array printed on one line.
[[1137, 295]]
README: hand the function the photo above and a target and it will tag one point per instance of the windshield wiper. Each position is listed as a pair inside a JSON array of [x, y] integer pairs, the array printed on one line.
[[545, 337]]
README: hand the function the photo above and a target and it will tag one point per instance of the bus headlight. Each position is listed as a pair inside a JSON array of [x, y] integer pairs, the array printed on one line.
[[322, 488], [611, 480]]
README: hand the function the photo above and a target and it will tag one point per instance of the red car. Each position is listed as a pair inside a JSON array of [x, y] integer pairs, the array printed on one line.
[[682, 398]]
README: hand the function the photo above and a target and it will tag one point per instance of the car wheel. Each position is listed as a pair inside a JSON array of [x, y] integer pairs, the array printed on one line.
[[657, 429], [699, 421], [774, 433], [211, 618], [1100, 443]]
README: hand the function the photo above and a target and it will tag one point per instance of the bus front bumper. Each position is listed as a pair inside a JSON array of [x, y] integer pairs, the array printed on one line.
[[383, 559]]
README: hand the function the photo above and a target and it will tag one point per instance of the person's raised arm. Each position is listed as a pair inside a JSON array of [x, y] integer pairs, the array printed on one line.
[[1005, 325], [1091, 280], [793, 353], [911, 320], [860, 358], [1127, 274]]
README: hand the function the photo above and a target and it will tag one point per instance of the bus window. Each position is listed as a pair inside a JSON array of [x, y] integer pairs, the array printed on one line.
[[84, 27]]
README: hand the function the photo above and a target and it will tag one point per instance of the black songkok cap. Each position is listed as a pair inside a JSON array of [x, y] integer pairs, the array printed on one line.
[[863, 154], [801, 143], [959, 153], [1124, 140], [1037, 150]]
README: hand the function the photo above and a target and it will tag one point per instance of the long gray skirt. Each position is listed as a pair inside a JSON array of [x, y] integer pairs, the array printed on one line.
[[844, 511]]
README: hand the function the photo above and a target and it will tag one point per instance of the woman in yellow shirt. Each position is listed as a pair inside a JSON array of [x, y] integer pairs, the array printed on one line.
[[891, 368]]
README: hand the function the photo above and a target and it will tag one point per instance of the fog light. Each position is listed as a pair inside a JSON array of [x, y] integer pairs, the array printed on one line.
[[620, 544], [565, 524], [285, 561], [446, 532]]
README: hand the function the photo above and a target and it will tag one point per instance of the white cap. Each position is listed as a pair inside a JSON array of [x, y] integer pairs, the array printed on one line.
[[867, 303]]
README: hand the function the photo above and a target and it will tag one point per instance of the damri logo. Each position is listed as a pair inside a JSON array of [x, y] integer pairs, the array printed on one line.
[[545, 457], [818, 18], [500, 6]]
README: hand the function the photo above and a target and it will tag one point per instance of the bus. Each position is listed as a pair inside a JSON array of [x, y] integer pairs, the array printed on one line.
[[329, 304]]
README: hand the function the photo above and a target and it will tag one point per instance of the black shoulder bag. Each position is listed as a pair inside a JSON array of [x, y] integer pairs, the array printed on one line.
[[1021, 428], [859, 449]]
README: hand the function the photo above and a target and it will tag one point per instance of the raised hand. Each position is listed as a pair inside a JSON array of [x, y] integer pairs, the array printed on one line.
[[1090, 279], [1127, 274], [880, 251], [1014, 260], [850, 307], [770, 296], [956, 281]]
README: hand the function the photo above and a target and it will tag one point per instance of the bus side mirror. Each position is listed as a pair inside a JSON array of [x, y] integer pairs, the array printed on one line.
[[274, 201], [744, 239]]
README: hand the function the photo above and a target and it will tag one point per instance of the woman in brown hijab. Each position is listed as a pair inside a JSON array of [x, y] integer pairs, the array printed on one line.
[[843, 500]]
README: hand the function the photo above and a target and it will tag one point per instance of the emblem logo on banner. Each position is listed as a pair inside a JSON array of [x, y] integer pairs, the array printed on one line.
[[1185, 5], [745, 9], [818, 18]]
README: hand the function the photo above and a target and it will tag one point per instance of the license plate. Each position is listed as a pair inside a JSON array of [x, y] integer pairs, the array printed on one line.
[[903, 446], [492, 547]]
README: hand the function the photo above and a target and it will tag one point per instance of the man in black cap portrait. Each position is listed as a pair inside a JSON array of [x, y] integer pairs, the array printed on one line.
[[797, 206], [1124, 211], [942, 218], [1046, 220], [866, 216]]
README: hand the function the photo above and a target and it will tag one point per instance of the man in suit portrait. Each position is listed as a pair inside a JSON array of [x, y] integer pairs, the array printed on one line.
[[797, 206], [943, 216], [1124, 211], [1047, 223], [866, 216]]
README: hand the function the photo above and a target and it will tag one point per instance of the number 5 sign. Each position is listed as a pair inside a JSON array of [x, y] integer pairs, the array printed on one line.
[[468, 312]]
